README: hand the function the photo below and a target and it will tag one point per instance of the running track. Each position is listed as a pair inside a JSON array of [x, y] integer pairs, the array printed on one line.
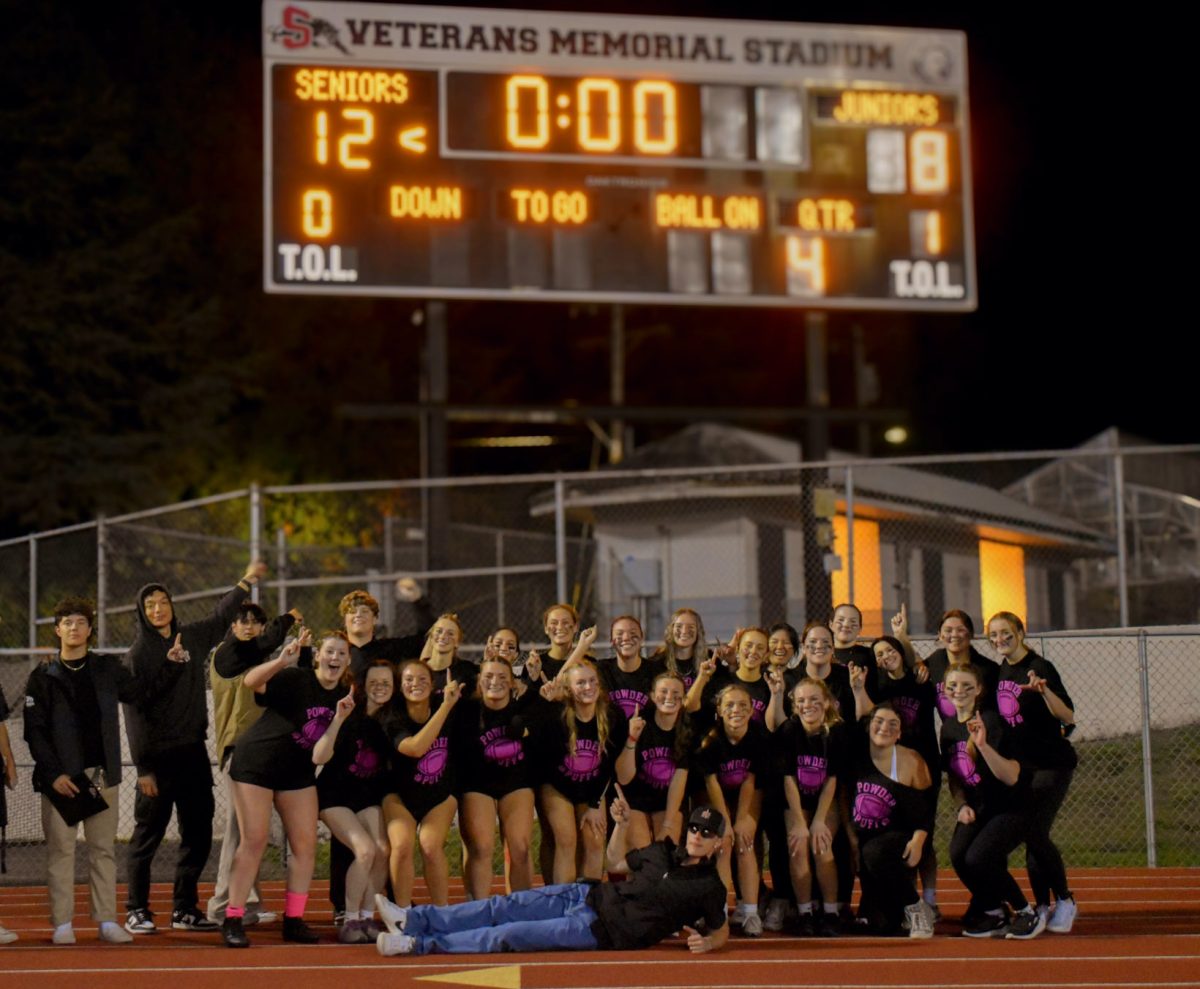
[[1137, 927]]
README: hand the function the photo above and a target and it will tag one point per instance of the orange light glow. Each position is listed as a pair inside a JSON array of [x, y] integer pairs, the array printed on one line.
[[520, 136], [322, 145], [1002, 578], [826, 215], [690, 211], [425, 202], [543, 206], [667, 141], [886, 109], [316, 213], [929, 153], [347, 142], [351, 86], [867, 592], [609, 139], [806, 260], [933, 232]]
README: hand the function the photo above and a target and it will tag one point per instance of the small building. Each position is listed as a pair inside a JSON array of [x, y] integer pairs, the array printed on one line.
[[732, 544]]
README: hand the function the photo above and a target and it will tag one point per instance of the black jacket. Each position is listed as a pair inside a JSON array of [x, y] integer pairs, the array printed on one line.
[[179, 716], [52, 730]]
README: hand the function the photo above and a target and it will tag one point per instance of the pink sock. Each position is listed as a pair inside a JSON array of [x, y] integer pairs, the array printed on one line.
[[236, 912], [294, 904]]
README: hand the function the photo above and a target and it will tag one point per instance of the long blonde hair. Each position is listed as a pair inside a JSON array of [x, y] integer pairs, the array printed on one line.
[[666, 653], [603, 709]]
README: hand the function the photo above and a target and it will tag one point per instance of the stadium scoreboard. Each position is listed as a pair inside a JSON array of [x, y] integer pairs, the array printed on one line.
[[483, 153]]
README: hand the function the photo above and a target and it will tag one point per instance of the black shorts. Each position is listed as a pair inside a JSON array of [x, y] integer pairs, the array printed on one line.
[[420, 804], [268, 781]]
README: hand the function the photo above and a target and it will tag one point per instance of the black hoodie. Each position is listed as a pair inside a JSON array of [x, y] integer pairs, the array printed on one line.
[[179, 716]]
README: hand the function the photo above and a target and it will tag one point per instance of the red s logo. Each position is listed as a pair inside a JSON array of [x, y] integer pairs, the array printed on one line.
[[296, 30]]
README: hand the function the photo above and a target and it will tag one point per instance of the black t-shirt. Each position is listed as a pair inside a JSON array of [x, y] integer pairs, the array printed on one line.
[[425, 781], [855, 655], [811, 759], [356, 775], [838, 682], [914, 702], [276, 751], [87, 711], [1037, 734], [629, 691], [881, 805], [656, 766], [986, 794], [658, 898], [732, 762], [463, 671], [759, 691], [492, 749], [938, 662], [580, 776]]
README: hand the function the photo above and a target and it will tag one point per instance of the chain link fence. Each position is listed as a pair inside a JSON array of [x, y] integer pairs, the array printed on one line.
[[1089, 539]]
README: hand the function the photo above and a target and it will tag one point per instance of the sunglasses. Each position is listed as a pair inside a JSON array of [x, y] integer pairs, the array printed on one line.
[[703, 832]]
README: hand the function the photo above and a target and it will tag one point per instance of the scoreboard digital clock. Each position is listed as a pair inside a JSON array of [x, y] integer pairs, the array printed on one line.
[[470, 153]]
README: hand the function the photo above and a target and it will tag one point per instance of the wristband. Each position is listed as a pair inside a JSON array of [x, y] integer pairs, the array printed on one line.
[[243, 585]]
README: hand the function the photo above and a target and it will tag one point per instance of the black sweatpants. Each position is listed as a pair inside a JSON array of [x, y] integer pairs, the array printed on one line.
[[185, 784], [888, 884], [1043, 860], [979, 852]]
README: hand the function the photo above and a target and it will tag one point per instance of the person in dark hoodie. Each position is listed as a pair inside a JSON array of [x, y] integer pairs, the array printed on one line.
[[167, 742], [72, 729]]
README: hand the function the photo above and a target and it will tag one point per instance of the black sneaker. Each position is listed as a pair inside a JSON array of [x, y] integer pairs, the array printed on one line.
[[987, 925], [805, 925], [191, 920], [233, 933], [828, 924], [298, 932], [1029, 923], [140, 921]]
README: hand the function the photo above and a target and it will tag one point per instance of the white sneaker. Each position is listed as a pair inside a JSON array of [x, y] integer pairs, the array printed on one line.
[[393, 916], [776, 914], [64, 934], [7, 936], [752, 925], [395, 944], [920, 920], [114, 933], [738, 916], [1063, 918]]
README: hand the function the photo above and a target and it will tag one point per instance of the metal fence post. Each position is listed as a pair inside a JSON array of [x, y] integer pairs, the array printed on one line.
[[281, 568], [33, 596], [500, 578], [851, 596], [560, 539], [255, 532], [101, 582], [1122, 550], [1147, 762]]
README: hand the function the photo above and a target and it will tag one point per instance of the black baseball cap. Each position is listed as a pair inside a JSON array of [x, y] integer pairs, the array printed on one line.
[[708, 819]]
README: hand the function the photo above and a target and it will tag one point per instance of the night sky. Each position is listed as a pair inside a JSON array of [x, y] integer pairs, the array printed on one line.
[[1083, 218]]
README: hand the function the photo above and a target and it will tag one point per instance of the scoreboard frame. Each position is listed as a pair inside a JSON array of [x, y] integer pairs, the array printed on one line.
[[735, 201]]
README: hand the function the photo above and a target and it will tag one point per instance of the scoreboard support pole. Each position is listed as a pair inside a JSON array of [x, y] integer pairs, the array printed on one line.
[[616, 429], [436, 460], [817, 590]]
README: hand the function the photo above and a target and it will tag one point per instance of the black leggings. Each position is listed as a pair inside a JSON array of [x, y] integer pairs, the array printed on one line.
[[1043, 860], [888, 884], [979, 852]]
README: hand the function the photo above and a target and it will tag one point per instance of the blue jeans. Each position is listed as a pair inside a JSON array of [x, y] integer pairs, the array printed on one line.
[[552, 918]]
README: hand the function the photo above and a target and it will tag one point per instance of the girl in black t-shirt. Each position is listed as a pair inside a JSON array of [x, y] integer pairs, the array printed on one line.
[[441, 655], [580, 743], [656, 783], [750, 648], [733, 760], [421, 805], [273, 765], [846, 622], [983, 778], [627, 677], [811, 749], [683, 650], [1040, 714], [356, 754], [495, 768], [816, 641]]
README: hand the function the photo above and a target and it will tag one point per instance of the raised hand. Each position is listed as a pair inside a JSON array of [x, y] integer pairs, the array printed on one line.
[[637, 724], [408, 590], [900, 622], [451, 692], [345, 706], [255, 572], [1036, 683], [858, 677], [177, 654], [619, 807], [775, 682], [587, 637], [978, 732], [533, 666]]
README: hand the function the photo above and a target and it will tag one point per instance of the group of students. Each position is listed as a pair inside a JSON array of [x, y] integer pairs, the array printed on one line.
[[820, 756]]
